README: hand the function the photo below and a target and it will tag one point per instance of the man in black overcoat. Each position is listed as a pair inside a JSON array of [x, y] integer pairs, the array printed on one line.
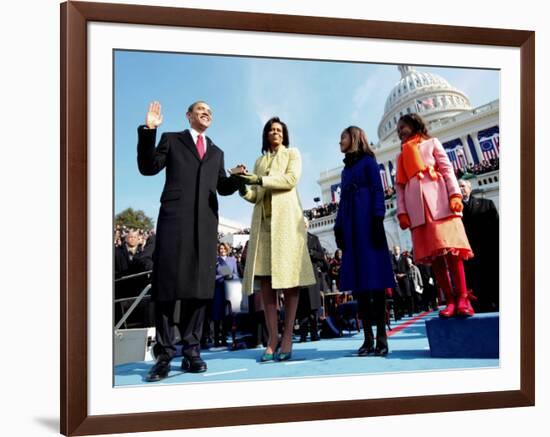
[[404, 292], [185, 253], [481, 222], [430, 293]]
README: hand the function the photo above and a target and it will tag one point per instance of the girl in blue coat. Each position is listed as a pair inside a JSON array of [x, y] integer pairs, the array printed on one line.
[[359, 230]]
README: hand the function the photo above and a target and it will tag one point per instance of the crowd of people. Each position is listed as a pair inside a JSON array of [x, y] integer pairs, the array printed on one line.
[[416, 287], [121, 233], [245, 231], [321, 211], [133, 259], [478, 169]]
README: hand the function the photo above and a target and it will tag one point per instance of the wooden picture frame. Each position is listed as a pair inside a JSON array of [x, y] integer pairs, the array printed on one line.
[[75, 419]]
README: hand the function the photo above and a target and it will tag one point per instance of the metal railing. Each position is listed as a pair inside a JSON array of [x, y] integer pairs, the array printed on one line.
[[137, 299]]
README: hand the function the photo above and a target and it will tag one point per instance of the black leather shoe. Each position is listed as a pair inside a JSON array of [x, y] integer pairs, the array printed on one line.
[[193, 364], [159, 371], [365, 349], [381, 352]]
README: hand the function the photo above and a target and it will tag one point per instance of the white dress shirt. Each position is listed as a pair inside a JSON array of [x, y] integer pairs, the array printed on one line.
[[195, 136]]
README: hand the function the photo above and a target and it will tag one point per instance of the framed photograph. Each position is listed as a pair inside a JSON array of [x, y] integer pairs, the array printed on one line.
[[115, 59]]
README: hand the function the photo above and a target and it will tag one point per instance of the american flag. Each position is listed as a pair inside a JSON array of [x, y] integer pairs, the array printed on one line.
[[489, 147], [335, 193], [457, 158], [425, 104]]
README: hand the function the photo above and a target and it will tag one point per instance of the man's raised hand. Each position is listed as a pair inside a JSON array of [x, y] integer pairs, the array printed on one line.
[[154, 116]]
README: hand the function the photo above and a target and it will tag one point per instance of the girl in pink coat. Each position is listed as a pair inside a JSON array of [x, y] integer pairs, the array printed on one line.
[[429, 202]]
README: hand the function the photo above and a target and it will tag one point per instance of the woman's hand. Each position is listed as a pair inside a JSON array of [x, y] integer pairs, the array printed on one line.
[[404, 221], [455, 203]]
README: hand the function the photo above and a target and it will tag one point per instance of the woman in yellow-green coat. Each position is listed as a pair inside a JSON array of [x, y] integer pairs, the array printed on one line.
[[277, 252]]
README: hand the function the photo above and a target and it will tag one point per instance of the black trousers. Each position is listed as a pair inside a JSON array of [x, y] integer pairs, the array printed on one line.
[[407, 296], [372, 311], [190, 323], [309, 323]]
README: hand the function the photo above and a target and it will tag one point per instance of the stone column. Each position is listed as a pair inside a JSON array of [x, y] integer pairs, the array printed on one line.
[[466, 147], [477, 146], [388, 174]]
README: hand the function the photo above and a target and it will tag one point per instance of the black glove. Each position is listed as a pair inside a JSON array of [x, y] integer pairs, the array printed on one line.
[[240, 183], [378, 233], [250, 178], [339, 237]]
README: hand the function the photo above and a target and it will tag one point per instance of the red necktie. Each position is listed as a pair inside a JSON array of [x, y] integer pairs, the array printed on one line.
[[200, 146]]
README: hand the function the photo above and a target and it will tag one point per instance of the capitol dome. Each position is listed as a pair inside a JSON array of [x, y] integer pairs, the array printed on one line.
[[424, 93]]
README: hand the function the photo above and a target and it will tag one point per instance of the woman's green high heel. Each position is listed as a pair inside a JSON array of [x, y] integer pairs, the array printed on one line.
[[267, 357], [284, 356]]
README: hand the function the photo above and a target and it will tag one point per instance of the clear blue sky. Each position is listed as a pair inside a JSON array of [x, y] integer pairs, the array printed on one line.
[[316, 99]]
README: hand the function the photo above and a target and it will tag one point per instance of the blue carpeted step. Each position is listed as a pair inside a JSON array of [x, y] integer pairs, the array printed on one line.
[[473, 337]]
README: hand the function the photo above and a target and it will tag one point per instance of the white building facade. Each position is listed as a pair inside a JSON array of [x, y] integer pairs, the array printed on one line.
[[469, 135], [231, 232]]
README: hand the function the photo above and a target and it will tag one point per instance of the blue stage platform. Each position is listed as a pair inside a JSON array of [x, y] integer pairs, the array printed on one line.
[[472, 337], [409, 352]]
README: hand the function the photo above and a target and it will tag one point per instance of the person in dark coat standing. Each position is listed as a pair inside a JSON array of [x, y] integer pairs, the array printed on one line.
[[404, 290], [481, 221], [359, 231], [334, 270], [186, 238], [310, 297], [430, 294], [226, 268]]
